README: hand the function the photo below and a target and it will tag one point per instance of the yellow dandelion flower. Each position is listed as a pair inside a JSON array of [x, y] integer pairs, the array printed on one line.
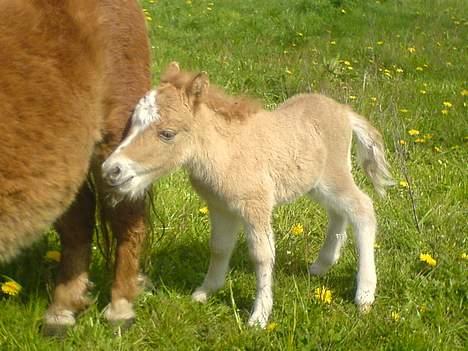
[[464, 256], [350, 68], [404, 110], [464, 92], [373, 98], [422, 308], [404, 184], [420, 140], [444, 111], [412, 50], [53, 255], [427, 258], [297, 229], [399, 70], [447, 104], [204, 210], [11, 288], [419, 68], [343, 11], [437, 149], [272, 326], [347, 63], [380, 42], [422, 91], [352, 97], [413, 132], [395, 316], [323, 295], [333, 42], [401, 142], [300, 34]]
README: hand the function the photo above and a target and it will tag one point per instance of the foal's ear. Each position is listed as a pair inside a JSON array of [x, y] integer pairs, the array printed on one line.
[[172, 68], [199, 85]]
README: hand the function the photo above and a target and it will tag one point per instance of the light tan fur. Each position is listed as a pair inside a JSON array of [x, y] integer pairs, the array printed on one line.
[[71, 73], [245, 166]]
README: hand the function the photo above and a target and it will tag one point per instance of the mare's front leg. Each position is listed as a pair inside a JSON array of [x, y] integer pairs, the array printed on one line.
[[127, 221], [75, 228], [261, 244], [224, 227]]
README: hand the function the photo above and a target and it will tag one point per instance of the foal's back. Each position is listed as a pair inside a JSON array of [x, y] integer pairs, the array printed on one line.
[[50, 114], [304, 139]]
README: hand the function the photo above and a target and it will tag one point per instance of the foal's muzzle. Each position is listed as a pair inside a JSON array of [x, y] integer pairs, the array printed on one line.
[[114, 175]]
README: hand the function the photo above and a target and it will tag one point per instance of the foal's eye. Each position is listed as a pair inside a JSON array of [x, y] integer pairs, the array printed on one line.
[[167, 135]]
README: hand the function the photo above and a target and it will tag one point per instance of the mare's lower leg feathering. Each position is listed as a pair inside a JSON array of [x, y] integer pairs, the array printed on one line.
[[244, 161]]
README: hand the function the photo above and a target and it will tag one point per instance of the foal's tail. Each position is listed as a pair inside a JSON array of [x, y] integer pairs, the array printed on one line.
[[370, 153]]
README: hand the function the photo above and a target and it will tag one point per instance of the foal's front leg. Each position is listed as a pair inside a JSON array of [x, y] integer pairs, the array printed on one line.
[[224, 227], [262, 252]]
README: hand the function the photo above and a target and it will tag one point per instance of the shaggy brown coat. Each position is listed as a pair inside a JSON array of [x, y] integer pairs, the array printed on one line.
[[71, 72]]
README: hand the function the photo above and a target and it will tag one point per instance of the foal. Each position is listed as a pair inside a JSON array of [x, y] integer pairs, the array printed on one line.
[[244, 161]]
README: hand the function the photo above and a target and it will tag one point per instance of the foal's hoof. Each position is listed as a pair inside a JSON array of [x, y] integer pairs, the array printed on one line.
[[257, 321], [200, 296], [57, 323], [364, 300], [318, 269], [364, 309]]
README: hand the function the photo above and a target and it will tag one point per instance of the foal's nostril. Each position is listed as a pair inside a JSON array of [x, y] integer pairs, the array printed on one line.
[[115, 172]]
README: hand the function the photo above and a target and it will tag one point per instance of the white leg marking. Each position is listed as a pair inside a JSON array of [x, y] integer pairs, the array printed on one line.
[[262, 251], [120, 310], [224, 227], [59, 318]]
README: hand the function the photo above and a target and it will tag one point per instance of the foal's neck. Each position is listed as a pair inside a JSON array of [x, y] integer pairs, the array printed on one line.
[[212, 146]]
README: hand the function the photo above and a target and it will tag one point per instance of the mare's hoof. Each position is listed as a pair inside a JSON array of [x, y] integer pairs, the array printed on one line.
[[120, 314], [57, 323], [121, 326]]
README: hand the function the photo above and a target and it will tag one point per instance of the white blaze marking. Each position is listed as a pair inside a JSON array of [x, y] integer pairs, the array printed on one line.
[[146, 112]]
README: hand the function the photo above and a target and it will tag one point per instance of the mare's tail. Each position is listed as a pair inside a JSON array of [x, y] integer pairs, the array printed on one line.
[[370, 152]]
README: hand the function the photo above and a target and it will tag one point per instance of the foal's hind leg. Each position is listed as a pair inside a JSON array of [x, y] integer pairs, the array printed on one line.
[[75, 228], [331, 249], [224, 227], [128, 226], [347, 198]]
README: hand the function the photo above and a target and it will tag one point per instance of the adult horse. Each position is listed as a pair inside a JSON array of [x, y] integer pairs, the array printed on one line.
[[71, 72]]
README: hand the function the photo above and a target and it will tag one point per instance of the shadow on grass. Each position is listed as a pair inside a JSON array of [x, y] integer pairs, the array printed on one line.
[[181, 267]]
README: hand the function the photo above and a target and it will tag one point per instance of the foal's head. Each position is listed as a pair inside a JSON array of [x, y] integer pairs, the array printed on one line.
[[160, 138]]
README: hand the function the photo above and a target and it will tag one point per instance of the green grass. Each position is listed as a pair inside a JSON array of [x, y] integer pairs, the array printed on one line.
[[273, 49]]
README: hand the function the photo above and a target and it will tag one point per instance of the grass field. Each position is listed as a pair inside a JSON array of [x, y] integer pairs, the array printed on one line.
[[403, 64]]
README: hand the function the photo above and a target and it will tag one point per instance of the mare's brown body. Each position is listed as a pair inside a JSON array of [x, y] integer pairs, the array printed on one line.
[[71, 72]]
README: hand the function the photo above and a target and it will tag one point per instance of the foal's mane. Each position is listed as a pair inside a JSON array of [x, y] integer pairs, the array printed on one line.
[[230, 107]]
